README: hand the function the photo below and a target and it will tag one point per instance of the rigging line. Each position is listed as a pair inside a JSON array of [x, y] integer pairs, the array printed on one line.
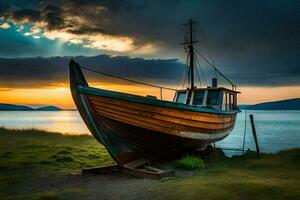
[[126, 79], [184, 74], [198, 72], [187, 70], [198, 76], [245, 126], [202, 73], [207, 47], [227, 79], [201, 70], [181, 79]]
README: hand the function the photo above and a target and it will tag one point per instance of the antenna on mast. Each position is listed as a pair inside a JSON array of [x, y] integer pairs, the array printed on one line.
[[190, 43]]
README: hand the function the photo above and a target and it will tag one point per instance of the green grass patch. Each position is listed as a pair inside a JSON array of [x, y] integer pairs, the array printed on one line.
[[64, 159], [189, 162], [27, 155], [64, 151], [48, 196], [272, 176]]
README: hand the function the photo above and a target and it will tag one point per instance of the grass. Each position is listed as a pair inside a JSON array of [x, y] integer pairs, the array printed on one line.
[[34, 165], [189, 162], [47, 196], [51, 151], [273, 176], [27, 154]]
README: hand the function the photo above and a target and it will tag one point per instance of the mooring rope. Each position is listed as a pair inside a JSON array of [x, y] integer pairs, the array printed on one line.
[[215, 68], [245, 129], [126, 79]]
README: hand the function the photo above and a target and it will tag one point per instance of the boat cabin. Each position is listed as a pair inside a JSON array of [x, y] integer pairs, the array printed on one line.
[[218, 98]]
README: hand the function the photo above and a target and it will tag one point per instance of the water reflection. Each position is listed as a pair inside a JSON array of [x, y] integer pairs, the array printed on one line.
[[67, 122]]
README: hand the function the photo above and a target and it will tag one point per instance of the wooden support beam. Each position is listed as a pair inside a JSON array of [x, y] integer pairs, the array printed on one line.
[[136, 168], [254, 134], [102, 170], [150, 174]]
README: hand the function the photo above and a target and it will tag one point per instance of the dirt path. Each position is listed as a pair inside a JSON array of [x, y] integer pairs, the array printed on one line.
[[104, 187]]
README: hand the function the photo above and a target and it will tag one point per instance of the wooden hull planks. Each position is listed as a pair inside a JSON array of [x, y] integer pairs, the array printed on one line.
[[146, 119]]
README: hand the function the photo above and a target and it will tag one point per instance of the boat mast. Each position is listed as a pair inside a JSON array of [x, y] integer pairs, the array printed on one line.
[[190, 44]]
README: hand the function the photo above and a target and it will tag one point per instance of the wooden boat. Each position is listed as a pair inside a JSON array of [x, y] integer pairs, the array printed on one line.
[[133, 127]]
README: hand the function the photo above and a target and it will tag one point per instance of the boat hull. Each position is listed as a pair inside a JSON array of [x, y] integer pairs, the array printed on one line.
[[133, 127]]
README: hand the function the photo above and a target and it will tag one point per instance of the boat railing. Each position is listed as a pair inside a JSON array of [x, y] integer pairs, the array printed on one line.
[[163, 93]]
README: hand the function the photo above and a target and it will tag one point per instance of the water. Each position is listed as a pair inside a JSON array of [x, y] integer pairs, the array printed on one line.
[[66, 122], [276, 130]]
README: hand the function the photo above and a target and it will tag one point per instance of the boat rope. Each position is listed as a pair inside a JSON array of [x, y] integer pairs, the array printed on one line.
[[126, 79], [197, 61], [198, 75], [187, 70], [186, 75], [210, 64], [208, 49], [183, 77], [245, 129]]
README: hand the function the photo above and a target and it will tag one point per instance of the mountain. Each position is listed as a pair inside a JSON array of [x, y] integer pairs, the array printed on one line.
[[49, 108], [288, 104], [243, 107], [12, 107], [4, 106]]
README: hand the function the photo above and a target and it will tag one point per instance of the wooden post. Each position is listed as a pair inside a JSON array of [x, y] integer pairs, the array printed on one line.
[[254, 134], [160, 93]]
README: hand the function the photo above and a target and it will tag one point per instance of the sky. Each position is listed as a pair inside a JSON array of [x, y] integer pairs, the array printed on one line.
[[255, 43]]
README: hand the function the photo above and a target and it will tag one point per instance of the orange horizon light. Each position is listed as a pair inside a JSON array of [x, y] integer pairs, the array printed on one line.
[[60, 95]]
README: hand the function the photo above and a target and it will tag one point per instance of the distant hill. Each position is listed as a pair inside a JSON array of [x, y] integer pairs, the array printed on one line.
[[12, 107], [243, 107], [49, 108], [288, 104], [4, 106]]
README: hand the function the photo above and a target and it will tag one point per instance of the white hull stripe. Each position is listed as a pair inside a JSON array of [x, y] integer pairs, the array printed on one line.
[[203, 136]]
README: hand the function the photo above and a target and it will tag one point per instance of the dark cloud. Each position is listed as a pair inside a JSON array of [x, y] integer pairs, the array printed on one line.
[[54, 17], [253, 42], [37, 72], [232, 25], [51, 15], [26, 15], [3, 9]]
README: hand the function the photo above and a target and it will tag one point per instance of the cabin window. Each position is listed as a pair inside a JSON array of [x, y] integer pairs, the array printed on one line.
[[181, 97], [229, 101], [198, 97], [213, 97], [232, 101], [224, 101], [189, 95]]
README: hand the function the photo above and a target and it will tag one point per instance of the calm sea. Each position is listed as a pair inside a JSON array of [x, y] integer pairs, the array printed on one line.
[[277, 130]]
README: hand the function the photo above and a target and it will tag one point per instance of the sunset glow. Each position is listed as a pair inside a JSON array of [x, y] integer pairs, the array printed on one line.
[[61, 96]]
